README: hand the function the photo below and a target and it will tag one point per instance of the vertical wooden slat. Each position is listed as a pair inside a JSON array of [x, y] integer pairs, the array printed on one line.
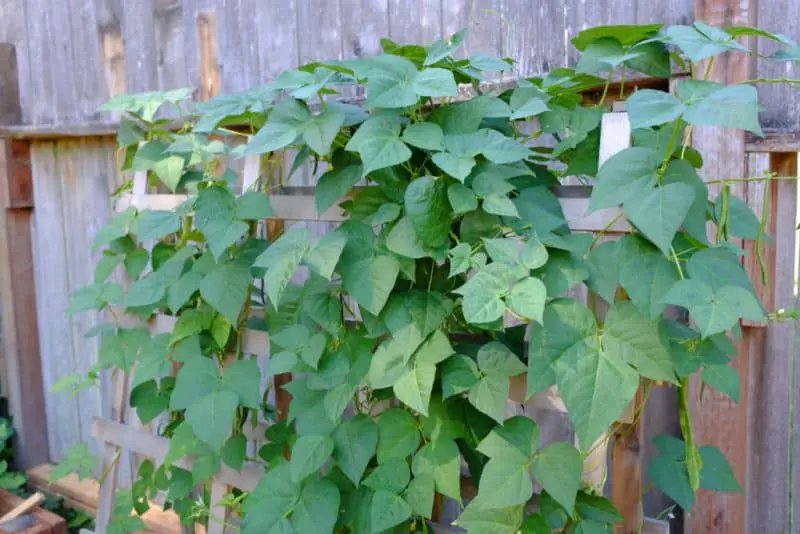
[[238, 42], [717, 419], [210, 77], [112, 47], [627, 469], [277, 47], [139, 34], [364, 24], [769, 481], [170, 45], [782, 101], [23, 365], [415, 21], [537, 51]]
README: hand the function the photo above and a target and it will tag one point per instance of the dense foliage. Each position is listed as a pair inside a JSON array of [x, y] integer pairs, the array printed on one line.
[[396, 339]]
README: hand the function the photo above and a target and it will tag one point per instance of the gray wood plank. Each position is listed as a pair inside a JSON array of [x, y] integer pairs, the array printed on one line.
[[13, 31], [83, 182], [325, 41], [108, 15], [415, 21], [278, 47], [483, 20], [85, 74], [52, 281], [782, 102], [139, 33], [39, 26], [364, 24], [171, 45], [537, 46], [238, 43]]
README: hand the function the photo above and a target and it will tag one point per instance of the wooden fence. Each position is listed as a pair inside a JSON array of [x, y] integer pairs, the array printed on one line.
[[59, 60]]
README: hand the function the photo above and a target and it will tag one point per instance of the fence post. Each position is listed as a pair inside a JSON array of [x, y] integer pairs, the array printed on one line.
[[22, 373]]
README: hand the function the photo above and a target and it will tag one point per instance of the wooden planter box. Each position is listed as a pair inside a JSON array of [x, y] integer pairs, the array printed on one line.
[[39, 520]]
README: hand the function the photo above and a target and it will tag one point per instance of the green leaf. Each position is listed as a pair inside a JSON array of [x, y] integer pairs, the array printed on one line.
[[225, 288], [717, 474], [234, 451], [527, 299], [197, 378], [516, 439], [442, 461], [742, 222], [562, 272], [723, 378], [404, 241], [636, 339], [325, 254], [355, 441], [320, 131], [309, 454], [371, 280], [136, 261], [415, 386], [528, 102], [274, 497], [490, 395], [148, 400], [534, 254], [378, 143], [212, 417], [390, 82], [443, 48], [458, 167], [420, 495], [459, 374], [477, 518], [243, 378], [625, 175], [681, 171], [424, 135], [157, 224], [435, 82], [500, 205], [281, 260], [388, 510], [398, 434], [660, 212], [648, 107], [504, 482], [558, 469], [536, 524], [714, 311], [604, 54], [646, 275], [625, 34], [596, 385], [482, 302], [318, 507], [427, 206], [671, 476], [727, 106], [254, 206], [496, 358], [334, 184], [125, 348], [701, 41], [392, 475]]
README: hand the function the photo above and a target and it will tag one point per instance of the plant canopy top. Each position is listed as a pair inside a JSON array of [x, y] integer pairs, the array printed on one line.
[[454, 228]]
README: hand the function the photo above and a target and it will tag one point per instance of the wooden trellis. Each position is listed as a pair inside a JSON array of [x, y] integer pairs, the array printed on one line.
[[297, 204]]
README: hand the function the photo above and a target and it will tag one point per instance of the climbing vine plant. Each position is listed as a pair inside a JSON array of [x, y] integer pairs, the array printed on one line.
[[398, 338]]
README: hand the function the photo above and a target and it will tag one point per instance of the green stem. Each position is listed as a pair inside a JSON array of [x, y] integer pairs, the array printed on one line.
[[708, 68], [762, 228], [722, 223], [605, 87], [186, 231], [622, 83], [770, 80]]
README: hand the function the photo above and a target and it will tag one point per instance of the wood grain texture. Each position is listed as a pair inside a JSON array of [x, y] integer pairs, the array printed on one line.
[[415, 21], [626, 471], [112, 48], [52, 283], [535, 50], [171, 56], [139, 34], [781, 100], [39, 28], [758, 164], [83, 71], [770, 478], [22, 357], [717, 419], [364, 24], [210, 75], [279, 45], [238, 43]]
